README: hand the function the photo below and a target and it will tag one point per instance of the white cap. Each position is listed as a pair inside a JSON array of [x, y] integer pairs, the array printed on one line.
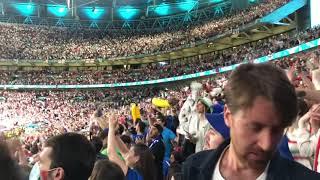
[[215, 92]]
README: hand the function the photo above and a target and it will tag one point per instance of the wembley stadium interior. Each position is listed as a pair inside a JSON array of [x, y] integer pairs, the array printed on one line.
[[70, 66]]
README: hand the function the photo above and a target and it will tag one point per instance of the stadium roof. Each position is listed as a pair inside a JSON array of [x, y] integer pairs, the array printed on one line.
[[99, 13]]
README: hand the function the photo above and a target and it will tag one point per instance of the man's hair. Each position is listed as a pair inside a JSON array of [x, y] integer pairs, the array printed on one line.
[[97, 144], [142, 126], [161, 117], [126, 139], [9, 169], [105, 169], [158, 127], [249, 81], [146, 165], [74, 153]]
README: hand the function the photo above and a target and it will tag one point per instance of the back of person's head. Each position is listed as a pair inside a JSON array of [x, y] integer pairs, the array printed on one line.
[[302, 107], [126, 140], [161, 119], [250, 81], [73, 153], [104, 137], [142, 126], [97, 144], [178, 157], [145, 165], [9, 170], [107, 170]]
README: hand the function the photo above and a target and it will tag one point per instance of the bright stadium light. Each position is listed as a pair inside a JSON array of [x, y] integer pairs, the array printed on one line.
[[58, 10], [217, 1], [315, 13], [61, 10], [25, 9], [94, 12], [127, 12], [162, 9], [187, 5]]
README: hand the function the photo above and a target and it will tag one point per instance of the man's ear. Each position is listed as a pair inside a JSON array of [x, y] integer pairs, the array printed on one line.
[[58, 174], [227, 116]]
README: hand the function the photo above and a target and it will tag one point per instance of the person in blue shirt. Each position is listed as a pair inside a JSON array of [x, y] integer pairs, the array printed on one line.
[[167, 135], [138, 161], [157, 147], [140, 129]]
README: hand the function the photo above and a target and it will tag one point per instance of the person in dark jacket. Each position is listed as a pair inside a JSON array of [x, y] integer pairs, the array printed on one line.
[[260, 103], [157, 148]]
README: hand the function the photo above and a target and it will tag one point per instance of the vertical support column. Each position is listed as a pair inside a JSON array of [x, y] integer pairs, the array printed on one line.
[[2, 9], [112, 11], [39, 10], [113, 8], [74, 7]]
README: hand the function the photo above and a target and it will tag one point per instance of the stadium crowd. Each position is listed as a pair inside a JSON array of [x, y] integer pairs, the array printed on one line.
[[45, 43], [246, 53], [260, 121], [54, 113]]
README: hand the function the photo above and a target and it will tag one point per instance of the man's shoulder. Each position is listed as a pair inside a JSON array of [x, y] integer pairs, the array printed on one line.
[[200, 166], [200, 158], [295, 170], [300, 171]]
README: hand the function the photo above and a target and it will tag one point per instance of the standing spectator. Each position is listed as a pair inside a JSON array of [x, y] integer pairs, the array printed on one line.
[[167, 135], [67, 157], [157, 148], [308, 141], [140, 132], [139, 163], [106, 170], [257, 113], [199, 125]]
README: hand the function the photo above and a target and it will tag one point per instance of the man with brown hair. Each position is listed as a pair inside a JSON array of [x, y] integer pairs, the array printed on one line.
[[260, 104]]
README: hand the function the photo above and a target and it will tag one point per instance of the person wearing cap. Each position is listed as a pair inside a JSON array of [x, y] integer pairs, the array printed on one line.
[[218, 133], [188, 107], [156, 145], [199, 124]]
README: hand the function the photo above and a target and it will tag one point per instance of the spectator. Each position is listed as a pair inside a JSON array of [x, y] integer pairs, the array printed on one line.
[[167, 135], [157, 147], [9, 169], [105, 169], [138, 162], [219, 132], [199, 125], [140, 132], [66, 157], [257, 113]]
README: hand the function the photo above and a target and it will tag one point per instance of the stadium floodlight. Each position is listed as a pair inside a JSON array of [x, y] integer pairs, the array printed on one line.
[[58, 10], [94, 13], [162, 9], [25, 9], [218, 1], [127, 12], [315, 13], [187, 5]]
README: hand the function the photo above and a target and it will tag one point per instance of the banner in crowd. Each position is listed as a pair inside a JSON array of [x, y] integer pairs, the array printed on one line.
[[274, 56]]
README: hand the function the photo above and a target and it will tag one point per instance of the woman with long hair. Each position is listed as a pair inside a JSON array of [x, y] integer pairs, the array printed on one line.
[[139, 162], [105, 169]]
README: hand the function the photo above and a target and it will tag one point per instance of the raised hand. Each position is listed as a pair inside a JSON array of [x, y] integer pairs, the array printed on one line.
[[113, 121]]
